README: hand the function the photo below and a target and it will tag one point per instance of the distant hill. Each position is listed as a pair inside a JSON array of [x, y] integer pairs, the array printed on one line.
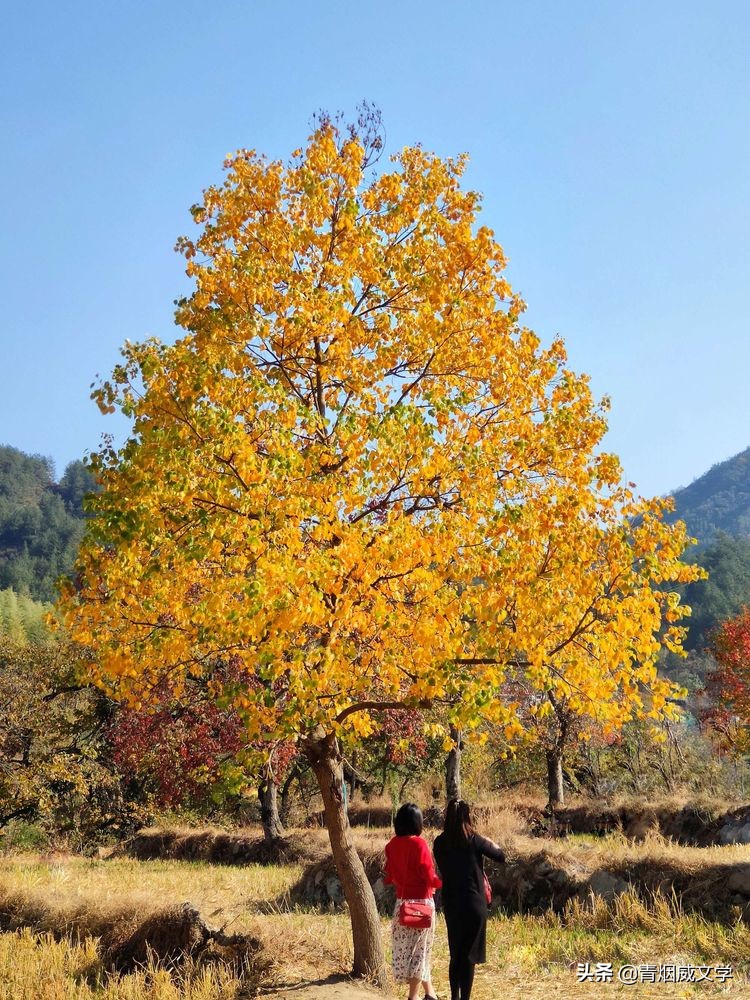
[[716, 509], [41, 521], [719, 501]]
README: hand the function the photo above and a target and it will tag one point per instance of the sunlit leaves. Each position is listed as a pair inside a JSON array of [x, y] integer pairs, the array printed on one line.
[[357, 477]]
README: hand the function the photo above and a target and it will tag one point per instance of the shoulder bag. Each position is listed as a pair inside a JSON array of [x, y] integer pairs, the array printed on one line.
[[487, 889], [411, 914]]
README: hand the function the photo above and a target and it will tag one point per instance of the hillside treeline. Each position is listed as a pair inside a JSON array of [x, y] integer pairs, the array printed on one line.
[[41, 521], [718, 501]]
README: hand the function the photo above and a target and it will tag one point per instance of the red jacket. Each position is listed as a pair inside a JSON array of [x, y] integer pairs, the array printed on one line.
[[408, 866]]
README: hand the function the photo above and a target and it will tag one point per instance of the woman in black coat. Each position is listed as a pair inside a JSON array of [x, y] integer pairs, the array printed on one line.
[[459, 851]]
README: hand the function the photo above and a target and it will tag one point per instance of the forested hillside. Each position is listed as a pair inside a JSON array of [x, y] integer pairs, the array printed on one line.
[[716, 509], [41, 521], [724, 593], [718, 501]]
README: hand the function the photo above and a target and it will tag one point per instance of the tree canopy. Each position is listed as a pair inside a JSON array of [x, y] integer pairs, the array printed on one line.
[[356, 475], [723, 593], [727, 716], [356, 481]]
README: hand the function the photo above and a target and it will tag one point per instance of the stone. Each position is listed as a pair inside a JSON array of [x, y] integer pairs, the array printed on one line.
[[334, 890], [735, 833], [385, 895], [739, 880], [605, 884], [639, 827]]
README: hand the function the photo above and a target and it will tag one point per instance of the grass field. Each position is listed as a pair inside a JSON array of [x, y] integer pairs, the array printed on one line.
[[529, 956]]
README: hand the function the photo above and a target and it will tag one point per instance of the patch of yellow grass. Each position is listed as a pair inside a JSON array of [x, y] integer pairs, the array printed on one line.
[[36, 967], [530, 957]]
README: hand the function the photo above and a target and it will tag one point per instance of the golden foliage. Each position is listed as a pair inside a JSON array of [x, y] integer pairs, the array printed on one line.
[[357, 478]]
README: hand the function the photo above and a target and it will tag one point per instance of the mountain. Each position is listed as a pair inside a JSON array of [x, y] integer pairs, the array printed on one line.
[[719, 501], [716, 509], [41, 521]]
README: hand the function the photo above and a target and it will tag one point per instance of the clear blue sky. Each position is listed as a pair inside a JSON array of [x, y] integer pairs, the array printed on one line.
[[611, 141]]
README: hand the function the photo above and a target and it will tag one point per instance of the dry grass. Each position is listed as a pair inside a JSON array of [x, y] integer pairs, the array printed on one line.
[[37, 967], [615, 848], [530, 956], [241, 847], [219, 847]]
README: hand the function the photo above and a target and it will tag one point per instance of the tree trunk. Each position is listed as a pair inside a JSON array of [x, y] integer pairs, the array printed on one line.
[[384, 776], [453, 767], [286, 788], [555, 778], [269, 811], [323, 752], [353, 777]]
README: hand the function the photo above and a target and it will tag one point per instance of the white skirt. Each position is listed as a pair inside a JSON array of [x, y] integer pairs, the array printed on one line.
[[412, 946]]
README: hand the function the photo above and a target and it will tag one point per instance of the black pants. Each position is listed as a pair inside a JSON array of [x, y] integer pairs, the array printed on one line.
[[461, 976], [466, 920]]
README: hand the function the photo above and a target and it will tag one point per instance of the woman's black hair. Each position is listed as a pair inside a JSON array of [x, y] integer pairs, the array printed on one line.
[[408, 821], [458, 827]]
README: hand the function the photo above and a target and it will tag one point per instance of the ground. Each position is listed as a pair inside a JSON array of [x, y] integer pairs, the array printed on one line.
[[329, 989], [307, 950]]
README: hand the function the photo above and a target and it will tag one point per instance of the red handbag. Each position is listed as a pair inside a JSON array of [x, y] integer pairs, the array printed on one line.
[[415, 914], [487, 889]]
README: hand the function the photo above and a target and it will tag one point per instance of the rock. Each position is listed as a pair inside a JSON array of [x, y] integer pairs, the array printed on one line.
[[735, 833], [739, 880], [640, 826], [605, 884], [385, 895], [334, 890]]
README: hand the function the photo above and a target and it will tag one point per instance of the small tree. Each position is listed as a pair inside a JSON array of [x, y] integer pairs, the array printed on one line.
[[397, 753], [176, 750], [727, 715], [55, 767], [343, 475], [590, 613]]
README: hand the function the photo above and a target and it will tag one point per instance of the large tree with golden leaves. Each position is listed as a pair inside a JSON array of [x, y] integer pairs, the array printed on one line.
[[358, 480]]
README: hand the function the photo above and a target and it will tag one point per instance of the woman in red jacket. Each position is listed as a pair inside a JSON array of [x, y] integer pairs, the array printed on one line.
[[409, 867]]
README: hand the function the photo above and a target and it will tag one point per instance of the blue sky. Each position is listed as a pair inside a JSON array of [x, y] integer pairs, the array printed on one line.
[[611, 141]]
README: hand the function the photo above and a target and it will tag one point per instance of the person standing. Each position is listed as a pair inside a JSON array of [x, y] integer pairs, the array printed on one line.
[[409, 867], [459, 853]]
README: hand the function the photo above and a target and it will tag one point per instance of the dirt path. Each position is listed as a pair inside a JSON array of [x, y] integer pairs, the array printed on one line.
[[341, 988], [330, 989]]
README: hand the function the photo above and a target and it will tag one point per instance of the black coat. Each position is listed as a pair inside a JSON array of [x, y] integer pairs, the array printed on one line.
[[464, 902]]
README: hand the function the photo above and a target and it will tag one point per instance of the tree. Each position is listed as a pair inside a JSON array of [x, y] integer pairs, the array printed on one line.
[[727, 715], [175, 750], [595, 633], [396, 753], [54, 764], [187, 752], [453, 765], [342, 478], [23, 619], [75, 486]]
